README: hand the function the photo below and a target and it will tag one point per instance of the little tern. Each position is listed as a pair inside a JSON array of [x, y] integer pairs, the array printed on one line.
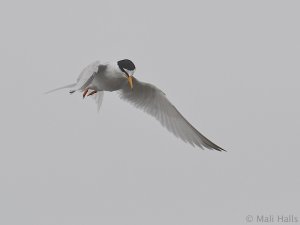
[[118, 76]]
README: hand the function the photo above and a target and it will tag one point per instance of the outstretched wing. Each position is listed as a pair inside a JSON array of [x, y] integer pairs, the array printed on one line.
[[84, 79], [87, 75], [154, 102]]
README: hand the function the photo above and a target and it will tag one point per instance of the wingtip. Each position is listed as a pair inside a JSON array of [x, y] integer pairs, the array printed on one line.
[[222, 150], [217, 148]]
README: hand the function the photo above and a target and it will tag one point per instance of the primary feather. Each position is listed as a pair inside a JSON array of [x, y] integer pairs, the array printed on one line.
[[153, 101]]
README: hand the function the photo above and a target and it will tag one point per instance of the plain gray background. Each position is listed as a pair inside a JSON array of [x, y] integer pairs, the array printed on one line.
[[231, 68]]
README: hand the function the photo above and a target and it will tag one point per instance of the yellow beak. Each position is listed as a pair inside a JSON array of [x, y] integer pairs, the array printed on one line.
[[129, 78]]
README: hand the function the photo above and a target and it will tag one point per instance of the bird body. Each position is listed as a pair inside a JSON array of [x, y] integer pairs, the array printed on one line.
[[100, 77], [118, 76], [111, 79]]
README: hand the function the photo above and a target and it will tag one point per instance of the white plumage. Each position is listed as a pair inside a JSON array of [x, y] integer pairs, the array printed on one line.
[[99, 77]]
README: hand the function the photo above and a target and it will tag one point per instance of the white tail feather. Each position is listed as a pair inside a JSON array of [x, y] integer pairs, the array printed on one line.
[[63, 87], [99, 98]]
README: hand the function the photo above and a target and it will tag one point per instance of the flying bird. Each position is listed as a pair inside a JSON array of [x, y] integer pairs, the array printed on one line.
[[118, 76]]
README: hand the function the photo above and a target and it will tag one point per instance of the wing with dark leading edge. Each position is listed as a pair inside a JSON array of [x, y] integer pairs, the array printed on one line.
[[153, 101]]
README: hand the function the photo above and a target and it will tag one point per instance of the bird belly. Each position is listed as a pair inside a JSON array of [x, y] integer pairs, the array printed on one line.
[[104, 83]]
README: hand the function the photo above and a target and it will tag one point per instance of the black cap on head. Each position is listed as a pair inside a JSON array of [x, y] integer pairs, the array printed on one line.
[[126, 64]]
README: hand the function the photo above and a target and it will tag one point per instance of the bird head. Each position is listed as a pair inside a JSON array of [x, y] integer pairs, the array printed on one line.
[[128, 68]]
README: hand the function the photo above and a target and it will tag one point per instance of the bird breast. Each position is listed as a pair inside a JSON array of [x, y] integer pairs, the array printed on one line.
[[110, 80]]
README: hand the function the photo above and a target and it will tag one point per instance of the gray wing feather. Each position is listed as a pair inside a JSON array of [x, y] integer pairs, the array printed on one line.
[[87, 75], [84, 79], [153, 101]]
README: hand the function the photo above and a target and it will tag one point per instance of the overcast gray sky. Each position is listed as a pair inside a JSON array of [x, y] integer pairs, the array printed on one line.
[[231, 68]]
